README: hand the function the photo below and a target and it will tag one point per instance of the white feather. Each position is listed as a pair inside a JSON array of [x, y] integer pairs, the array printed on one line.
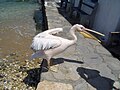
[[45, 40], [45, 43], [49, 32]]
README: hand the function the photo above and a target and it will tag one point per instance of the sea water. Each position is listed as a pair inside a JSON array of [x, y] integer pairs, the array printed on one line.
[[17, 29]]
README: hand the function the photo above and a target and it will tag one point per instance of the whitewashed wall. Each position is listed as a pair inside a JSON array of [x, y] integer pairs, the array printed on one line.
[[107, 17]]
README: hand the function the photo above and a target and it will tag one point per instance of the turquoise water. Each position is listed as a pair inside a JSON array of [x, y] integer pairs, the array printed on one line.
[[18, 16], [17, 29], [14, 10]]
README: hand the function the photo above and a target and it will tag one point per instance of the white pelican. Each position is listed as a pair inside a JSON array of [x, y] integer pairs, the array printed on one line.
[[47, 45]]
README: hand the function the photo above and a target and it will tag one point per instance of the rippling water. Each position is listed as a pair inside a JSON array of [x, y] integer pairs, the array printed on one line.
[[17, 29], [16, 26]]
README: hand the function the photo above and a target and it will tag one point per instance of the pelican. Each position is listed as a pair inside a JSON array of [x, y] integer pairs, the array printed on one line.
[[47, 45]]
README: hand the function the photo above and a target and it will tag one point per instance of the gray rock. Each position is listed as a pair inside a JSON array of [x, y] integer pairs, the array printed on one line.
[[59, 75], [47, 76], [105, 71], [101, 50], [84, 86], [69, 71], [93, 42], [113, 63], [116, 73], [81, 86], [93, 59]]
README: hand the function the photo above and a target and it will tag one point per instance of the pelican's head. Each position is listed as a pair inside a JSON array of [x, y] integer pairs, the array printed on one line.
[[81, 28], [83, 31]]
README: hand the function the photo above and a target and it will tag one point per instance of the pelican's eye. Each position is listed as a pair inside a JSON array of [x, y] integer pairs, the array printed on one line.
[[82, 27]]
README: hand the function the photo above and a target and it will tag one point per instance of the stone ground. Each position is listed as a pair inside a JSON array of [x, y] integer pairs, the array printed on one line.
[[84, 66]]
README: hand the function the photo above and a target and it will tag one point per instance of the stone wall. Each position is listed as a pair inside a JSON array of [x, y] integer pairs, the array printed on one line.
[[40, 17]]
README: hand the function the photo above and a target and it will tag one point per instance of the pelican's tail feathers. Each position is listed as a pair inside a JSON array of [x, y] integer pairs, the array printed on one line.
[[38, 54]]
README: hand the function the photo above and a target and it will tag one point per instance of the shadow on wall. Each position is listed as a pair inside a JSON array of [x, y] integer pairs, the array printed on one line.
[[94, 78]]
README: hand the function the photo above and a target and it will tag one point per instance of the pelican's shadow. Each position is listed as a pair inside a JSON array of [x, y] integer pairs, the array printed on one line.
[[62, 60], [34, 75], [94, 78]]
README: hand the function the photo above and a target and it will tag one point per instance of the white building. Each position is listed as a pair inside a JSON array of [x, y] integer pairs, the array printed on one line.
[[107, 17]]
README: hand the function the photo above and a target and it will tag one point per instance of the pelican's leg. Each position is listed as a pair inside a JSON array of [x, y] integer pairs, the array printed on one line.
[[51, 62], [44, 64], [48, 62], [51, 67]]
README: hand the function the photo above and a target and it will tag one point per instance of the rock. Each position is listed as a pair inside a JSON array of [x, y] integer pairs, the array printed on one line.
[[47, 85], [101, 50], [113, 63], [92, 59], [116, 73], [72, 74], [69, 70], [84, 86], [59, 75], [105, 71], [54, 68], [2, 75], [48, 76], [116, 85], [91, 87], [12, 54], [81, 86], [93, 42]]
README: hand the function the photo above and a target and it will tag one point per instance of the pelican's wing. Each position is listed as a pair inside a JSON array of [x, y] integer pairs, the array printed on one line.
[[45, 43], [50, 31], [55, 30]]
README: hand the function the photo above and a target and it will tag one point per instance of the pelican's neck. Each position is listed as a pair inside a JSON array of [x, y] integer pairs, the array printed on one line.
[[72, 32]]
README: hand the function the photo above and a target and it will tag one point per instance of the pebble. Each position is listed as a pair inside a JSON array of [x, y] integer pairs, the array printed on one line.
[[4, 59], [12, 54], [117, 84], [2, 75]]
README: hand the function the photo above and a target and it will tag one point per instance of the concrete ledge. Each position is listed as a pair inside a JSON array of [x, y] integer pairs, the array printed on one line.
[[85, 66]]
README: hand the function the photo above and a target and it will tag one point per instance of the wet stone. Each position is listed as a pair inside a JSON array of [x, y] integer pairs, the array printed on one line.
[[22, 69], [12, 54], [2, 75]]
